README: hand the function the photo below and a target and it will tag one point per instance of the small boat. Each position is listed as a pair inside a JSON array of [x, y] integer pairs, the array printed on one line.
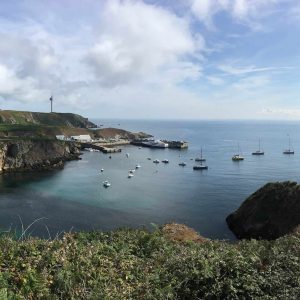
[[131, 171], [137, 166], [127, 155], [200, 158], [156, 161], [258, 152], [102, 170], [109, 157], [165, 161], [106, 184], [149, 158], [130, 175], [289, 150], [182, 164], [238, 157], [140, 147], [200, 167]]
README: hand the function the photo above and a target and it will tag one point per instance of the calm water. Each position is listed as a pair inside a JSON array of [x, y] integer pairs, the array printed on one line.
[[74, 198]]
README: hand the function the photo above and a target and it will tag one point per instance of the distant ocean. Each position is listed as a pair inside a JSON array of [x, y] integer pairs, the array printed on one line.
[[74, 198]]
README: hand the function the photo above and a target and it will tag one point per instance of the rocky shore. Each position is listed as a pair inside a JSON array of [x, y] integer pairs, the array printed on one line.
[[33, 155]]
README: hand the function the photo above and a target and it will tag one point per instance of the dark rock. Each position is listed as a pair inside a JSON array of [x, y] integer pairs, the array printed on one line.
[[28, 155], [271, 212]]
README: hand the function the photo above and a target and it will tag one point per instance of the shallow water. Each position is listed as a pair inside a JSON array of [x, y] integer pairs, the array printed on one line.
[[74, 198]]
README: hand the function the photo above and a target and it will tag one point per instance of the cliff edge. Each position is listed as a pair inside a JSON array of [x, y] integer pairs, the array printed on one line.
[[29, 155]]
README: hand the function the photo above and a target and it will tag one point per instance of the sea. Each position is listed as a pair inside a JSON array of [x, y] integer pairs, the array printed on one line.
[[46, 204]]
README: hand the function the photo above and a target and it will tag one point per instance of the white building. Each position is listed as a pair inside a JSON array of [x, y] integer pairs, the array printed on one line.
[[81, 138], [61, 137]]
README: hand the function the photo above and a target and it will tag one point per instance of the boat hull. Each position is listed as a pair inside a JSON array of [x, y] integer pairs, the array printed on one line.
[[199, 168]]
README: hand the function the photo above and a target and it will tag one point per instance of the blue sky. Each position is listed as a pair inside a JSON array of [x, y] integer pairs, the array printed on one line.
[[188, 59]]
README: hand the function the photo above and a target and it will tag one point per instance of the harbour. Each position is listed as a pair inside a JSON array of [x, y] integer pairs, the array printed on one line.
[[157, 193]]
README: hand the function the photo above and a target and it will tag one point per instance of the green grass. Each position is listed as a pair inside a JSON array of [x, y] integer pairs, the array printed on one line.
[[137, 264]]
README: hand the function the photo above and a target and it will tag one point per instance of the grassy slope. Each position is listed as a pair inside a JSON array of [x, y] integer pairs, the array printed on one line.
[[50, 119], [136, 264]]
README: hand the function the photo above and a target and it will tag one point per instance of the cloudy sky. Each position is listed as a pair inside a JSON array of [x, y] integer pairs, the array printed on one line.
[[188, 59]]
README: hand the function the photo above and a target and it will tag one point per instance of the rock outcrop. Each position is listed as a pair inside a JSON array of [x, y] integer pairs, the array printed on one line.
[[29, 155], [271, 212]]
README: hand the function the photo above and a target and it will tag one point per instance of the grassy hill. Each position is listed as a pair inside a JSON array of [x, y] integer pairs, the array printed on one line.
[[137, 264], [10, 117]]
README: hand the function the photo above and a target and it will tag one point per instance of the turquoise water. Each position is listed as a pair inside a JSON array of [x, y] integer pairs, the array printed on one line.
[[74, 198]]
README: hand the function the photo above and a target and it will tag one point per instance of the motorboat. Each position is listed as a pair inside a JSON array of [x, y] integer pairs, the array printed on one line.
[[290, 150], [127, 155], [156, 161], [149, 158], [258, 152], [165, 161], [130, 175], [238, 157], [137, 166], [182, 164], [102, 170], [106, 184], [200, 159], [131, 171]]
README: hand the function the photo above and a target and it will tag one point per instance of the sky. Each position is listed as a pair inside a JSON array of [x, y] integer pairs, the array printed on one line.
[[152, 59]]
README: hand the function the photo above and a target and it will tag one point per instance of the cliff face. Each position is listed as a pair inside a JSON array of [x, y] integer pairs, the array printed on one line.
[[26, 155], [50, 119], [271, 212]]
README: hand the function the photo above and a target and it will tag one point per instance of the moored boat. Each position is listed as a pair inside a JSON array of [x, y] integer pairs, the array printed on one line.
[[106, 184], [258, 152], [290, 150]]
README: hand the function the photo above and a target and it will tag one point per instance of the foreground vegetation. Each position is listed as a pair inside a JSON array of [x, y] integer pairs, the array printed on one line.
[[137, 264]]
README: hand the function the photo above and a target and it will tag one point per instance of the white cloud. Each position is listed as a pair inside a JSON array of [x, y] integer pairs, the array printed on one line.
[[237, 71], [245, 11], [136, 40]]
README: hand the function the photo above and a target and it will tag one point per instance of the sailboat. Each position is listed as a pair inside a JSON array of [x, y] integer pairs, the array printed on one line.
[[201, 166], [201, 158], [237, 157], [258, 152], [289, 150]]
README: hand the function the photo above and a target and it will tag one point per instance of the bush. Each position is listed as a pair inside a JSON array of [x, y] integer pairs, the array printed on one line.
[[137, 264]]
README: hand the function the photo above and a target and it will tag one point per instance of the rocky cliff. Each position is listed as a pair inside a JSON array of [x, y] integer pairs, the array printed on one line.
[[271, 212], [27, 155]]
